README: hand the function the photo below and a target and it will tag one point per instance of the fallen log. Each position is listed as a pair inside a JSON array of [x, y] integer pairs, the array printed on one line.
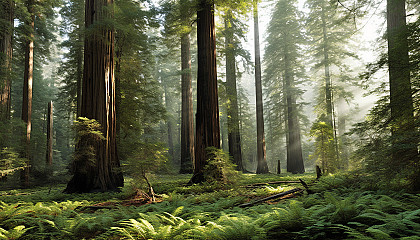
[[268, 183], [294, 190]]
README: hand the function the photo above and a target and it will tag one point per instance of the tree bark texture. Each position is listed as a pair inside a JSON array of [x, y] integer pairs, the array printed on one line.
[[234, 137], [50, 137], [294, 156], [262, 166], [187, 121], [79, 82], [118, 94], [6, 50], [27, 89], [403, 132], [98, 102], [207, 116]]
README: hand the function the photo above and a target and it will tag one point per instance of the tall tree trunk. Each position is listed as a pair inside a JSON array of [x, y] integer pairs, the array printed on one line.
[[27, 89], [49, 157], [187, 125], [207, 116], [294, 157], [234, 137], [328, 86], [404, 144], [98, 102], [330, 118], [262, 166], [6, 50]]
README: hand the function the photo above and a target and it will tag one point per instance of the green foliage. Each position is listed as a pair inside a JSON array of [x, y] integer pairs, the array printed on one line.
[[147, 158], [14, 233], [220, 168], [339, 209], [10, 162], [324, 147], [87, 133]]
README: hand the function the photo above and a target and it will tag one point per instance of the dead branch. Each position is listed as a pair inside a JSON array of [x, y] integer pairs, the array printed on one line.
[[294, 190]]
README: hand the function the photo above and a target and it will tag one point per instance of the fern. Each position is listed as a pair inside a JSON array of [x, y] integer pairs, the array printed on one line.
[[13, 233]]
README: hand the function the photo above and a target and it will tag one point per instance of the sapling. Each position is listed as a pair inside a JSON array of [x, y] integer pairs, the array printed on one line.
[[147, 159]]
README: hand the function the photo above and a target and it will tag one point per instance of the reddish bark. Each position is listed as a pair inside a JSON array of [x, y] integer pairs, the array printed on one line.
[[207, 116]]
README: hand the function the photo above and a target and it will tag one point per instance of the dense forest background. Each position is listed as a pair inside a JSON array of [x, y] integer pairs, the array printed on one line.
[[206, 108], [330, 83]]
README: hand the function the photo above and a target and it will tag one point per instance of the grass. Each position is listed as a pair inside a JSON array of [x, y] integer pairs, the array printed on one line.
[[342, 207]]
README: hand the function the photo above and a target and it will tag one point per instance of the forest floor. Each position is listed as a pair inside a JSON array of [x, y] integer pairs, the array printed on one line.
[[341, 206]]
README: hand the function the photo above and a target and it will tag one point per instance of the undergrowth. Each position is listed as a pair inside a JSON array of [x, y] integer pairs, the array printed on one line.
[[342, 207]]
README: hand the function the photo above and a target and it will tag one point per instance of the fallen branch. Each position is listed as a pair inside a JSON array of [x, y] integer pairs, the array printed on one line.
[[294, 190], [268, 183], [309, 191]]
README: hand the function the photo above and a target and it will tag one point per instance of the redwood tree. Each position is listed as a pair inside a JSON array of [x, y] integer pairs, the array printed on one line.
[[28, 85], [207, 116], [6, 16], [234, 136], [262, 166], [404, 146], [187, 122], [98, 102]]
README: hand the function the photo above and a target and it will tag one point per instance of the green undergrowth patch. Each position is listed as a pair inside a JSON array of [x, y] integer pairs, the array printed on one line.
[[342, 207]]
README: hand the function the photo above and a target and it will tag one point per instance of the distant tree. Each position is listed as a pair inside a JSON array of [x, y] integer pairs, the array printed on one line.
[[233, 33], [247, 128], [262, 166], [138, 93], [98, 102], [50, 134], [330, 28], [283, 51], [187, 121], [178, 24], [71, 68]]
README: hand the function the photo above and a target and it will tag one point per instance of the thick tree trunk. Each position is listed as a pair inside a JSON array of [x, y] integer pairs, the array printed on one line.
[[404, 141], [7, 15], [49, 157], [234, 137], [187, 125], [27, 90], [98, 102], [262, 166], [207, 116]]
